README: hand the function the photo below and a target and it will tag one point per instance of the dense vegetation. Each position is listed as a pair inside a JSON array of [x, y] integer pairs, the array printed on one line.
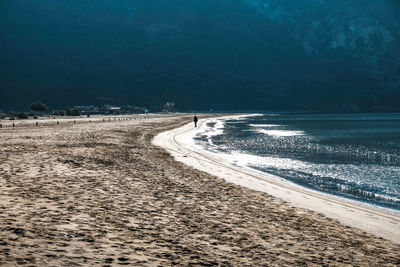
[[226, 54]]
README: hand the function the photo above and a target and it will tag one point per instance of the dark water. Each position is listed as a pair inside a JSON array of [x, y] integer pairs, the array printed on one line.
[[353, 156]]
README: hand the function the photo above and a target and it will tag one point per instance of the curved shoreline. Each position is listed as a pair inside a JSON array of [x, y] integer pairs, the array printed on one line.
[[100, 194], [379, 222]]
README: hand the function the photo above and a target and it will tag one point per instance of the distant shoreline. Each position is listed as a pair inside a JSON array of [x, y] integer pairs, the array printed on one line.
[[378, 221]]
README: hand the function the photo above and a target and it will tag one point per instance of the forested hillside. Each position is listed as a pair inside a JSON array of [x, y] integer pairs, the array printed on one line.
[[226, 54]]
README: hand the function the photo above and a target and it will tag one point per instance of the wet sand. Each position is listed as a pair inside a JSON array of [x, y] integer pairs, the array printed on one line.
[[377, 221], [101, 194]]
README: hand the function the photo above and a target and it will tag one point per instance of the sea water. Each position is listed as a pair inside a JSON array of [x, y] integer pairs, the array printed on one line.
[[351, 156]]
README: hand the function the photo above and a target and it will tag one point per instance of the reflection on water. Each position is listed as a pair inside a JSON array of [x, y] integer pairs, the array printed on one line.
[[354, 156], [280, 132]]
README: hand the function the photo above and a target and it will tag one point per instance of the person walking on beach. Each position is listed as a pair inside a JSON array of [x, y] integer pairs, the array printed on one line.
[[195, 121]]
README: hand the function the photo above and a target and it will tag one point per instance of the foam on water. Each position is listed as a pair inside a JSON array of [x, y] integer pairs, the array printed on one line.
[[321, 160], [270, 129], [264, 125], [213, 128], [280, 133]]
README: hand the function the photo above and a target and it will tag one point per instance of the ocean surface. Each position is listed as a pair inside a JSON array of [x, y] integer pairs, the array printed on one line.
[[351, 156]]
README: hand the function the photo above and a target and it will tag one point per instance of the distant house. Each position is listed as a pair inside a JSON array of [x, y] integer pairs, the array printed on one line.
[[108, 109]]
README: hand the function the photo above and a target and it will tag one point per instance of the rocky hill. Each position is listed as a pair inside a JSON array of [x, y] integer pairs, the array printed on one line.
[[226, 54]]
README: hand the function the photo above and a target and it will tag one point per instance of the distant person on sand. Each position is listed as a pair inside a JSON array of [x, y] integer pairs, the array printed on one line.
[[195, 121]]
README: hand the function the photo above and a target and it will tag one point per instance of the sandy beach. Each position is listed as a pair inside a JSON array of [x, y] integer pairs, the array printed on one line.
[[100, 193], [377, 221]]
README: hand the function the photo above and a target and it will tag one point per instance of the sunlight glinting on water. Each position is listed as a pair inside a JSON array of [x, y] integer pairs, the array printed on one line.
[[346, 156]]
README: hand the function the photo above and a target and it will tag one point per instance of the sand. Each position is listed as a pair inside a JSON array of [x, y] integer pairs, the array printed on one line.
[[100, 194], [377, 221]]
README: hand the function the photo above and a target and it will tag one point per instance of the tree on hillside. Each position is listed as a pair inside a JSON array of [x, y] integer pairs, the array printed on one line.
[[38, 107]]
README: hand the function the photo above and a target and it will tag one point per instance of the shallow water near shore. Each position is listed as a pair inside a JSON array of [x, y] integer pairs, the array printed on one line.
[[355, 156]]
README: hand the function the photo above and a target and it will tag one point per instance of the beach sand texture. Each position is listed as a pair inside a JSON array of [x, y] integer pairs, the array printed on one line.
[[101, 194], [371, 219]]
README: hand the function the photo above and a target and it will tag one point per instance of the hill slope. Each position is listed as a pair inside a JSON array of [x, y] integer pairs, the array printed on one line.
[[248, 54]]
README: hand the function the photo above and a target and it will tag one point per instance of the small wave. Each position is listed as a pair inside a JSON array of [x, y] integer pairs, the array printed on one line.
[[366, 194], [281, 133], [317, 163], [266, 129], [242, 117], [211, 129], [265, 125]]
